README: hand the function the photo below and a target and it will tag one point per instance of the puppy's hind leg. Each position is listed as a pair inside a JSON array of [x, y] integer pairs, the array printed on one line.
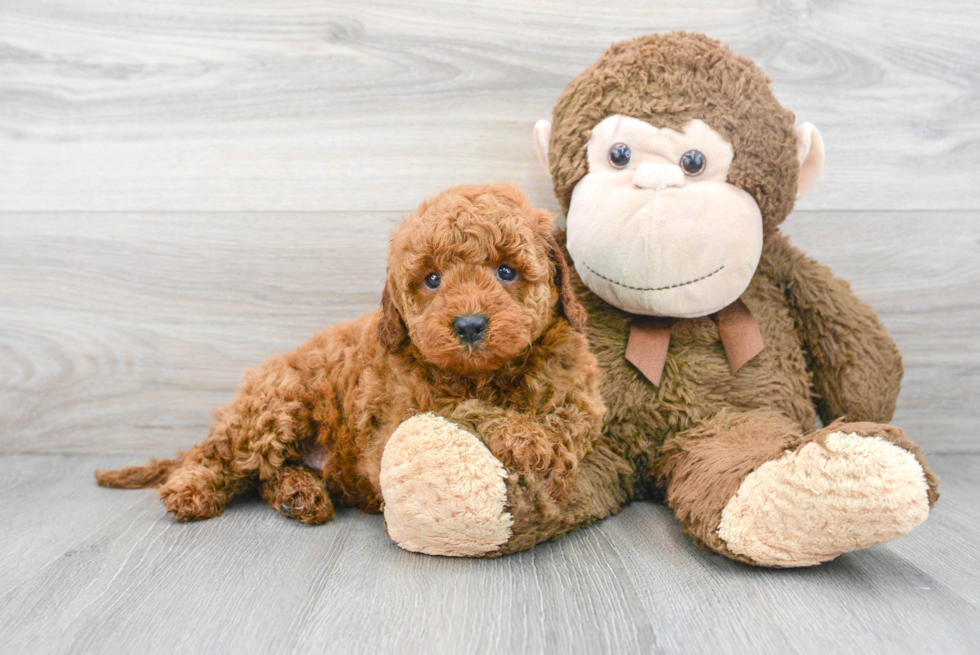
[[253, 437], [195, 492], [190, 489], [298, 493]]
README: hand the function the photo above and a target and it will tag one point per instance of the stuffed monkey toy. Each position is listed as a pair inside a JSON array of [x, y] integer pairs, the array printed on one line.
[[720, 343]]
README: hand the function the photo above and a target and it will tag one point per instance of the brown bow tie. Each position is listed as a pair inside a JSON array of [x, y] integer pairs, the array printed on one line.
[[650, 339]]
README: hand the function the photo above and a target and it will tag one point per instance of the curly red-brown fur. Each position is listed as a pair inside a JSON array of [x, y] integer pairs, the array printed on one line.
[[528, 389]]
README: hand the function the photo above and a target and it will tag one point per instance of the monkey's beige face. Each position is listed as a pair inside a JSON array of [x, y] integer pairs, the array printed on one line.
[[654, 227]]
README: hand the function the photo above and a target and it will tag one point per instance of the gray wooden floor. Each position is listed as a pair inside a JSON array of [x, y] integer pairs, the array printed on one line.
[[189, 187], [90, 570]]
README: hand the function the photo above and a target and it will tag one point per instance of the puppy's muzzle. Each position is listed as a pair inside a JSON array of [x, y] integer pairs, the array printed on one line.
[[470, 328]]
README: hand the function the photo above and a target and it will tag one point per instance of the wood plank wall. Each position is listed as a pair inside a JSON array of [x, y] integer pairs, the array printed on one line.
[[189, 187]]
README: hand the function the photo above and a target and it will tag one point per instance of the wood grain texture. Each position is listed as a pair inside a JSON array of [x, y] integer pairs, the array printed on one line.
[[134, 327], [42, 496], [252, 581], [273, 105], [122, 331]]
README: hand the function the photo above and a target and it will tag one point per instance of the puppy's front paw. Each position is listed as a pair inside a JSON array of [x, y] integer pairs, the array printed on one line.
[[848, 492], [443, 490], [190, 495], [534, 453]]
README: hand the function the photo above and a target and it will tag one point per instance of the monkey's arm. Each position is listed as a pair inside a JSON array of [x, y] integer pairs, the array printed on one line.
[[857, 369]]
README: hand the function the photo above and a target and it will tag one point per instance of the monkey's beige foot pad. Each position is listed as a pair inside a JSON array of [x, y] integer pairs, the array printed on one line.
[[824, 499], [444, 492]]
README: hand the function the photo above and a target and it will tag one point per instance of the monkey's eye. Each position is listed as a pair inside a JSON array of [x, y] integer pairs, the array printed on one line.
[[693, 162], [432, 281], [506, 274], [620, 155]]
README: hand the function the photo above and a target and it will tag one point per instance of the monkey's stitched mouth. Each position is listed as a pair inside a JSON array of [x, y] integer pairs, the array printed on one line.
[[672, 286]]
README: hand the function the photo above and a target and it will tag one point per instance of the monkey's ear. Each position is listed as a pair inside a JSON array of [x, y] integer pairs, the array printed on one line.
[[391, 329], [542, 137], [568, 304], [809, 152]]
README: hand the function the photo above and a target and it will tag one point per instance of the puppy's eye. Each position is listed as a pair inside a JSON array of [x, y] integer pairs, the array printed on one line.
[[506, 274], [693, 162], [432, 281], [620, 155]]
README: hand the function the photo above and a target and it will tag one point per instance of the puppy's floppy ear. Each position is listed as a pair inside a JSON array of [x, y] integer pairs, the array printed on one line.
[[568, 304], [391, 329]]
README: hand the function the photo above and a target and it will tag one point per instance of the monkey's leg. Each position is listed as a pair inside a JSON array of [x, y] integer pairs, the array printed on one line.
[[254, 436], [603, 482], [750, 487], [446, 494], [297, 492]]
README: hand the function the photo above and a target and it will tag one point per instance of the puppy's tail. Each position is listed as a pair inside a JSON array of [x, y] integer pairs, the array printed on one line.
[[152, 474]]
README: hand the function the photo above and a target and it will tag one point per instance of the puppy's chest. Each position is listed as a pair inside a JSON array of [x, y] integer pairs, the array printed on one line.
[[441, 399], [503, 397]]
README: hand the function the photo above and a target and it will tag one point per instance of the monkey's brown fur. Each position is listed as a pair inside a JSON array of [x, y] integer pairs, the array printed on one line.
[[529, 390], [696, 437]]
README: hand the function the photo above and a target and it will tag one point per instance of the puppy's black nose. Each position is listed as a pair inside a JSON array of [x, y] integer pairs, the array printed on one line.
[[470, 328]]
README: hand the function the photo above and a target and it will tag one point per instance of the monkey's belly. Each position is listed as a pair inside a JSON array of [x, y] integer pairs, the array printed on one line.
[[697, 382]]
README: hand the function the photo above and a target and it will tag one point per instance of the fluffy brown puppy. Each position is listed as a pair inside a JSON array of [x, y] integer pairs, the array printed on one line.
[[476, 349]]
